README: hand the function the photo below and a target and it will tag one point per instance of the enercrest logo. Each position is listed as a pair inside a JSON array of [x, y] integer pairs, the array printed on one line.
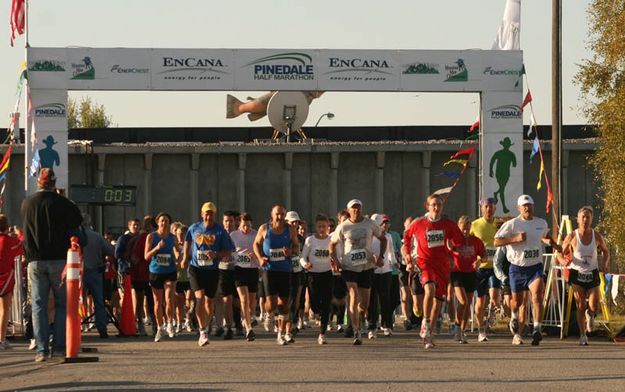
[[501, 72], [130, 70]]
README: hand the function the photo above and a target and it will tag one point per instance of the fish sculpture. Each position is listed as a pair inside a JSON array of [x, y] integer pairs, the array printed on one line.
[[257, 107]]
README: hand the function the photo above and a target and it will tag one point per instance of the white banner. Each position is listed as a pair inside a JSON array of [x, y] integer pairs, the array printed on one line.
[[358, 70], [109, 69], [276, 69], [192, 69], [50, 124], [47, 68]]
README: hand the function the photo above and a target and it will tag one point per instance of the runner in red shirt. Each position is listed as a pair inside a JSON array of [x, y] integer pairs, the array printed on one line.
[[427, 243], [10, 248]]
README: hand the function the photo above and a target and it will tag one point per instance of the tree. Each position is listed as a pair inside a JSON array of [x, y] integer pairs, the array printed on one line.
[[602, 82], [86, 114]]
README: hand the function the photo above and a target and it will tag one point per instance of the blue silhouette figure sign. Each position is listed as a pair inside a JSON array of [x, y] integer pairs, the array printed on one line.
[[48, 156]]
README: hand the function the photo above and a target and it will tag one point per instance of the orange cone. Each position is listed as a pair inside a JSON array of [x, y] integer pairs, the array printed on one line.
[[127, 322]]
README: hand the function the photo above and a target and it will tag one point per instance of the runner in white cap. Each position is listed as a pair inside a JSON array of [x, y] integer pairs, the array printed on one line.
[[523, 238], [297, 279], [358, 261], [584, 266]]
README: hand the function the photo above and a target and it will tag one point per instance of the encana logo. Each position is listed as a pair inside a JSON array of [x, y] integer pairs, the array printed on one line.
[[505, 112], [51, 110], [358, 64]]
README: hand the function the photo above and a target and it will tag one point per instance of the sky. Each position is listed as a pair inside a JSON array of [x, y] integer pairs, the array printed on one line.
[[298, 24]]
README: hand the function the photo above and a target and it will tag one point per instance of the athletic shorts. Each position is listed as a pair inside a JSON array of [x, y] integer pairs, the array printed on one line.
[[466, 280], [339, 289], [246, 277], [157, 281], [277, 283], [522, 277], [261, 286], [181, 287], [201, 279], [297, 279], [585, 280], [226, 282], [416, 288], [7, 282], [403, 275], [362, 279], [486, 280], [139, 285], [440, 278]]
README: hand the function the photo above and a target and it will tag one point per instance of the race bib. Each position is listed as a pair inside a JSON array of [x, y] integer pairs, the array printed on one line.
[[490, 252], [435, 238], [584, 277], [531, 254], [277, 254], [163, 260], [357, 257], [204, 258], [243, 259], [322, 253]]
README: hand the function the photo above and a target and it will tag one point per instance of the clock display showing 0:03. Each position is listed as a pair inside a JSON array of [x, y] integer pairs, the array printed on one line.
[[117, 195]]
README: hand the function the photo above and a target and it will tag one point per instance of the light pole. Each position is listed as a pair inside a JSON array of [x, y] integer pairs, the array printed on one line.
[[329, 115]]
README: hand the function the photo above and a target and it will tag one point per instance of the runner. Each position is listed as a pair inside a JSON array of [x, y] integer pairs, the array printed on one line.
[[464, 276], [226, 283], [246, 271], [297, 282], [584, 266], [523, 238], [358, 262], [10, 248], [339, 288], [380, 302], [315, 259], [159, 249], [184, 296], [205, 243], [275, 244], [485, 228], [431, 235]]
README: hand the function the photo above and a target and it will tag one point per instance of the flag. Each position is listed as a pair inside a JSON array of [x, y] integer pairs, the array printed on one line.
[[450, 174], [521, 73], [509, 33], [35, 164], [549, 197], [443, 191], [466, 151], [20, 81], [4, 165], [474, 126], [535, 148], [462, 162], [528, 99], [540, 176], [18, 19]]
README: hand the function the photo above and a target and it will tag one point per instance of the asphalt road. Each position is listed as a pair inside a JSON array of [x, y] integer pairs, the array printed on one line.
[[397, 363]]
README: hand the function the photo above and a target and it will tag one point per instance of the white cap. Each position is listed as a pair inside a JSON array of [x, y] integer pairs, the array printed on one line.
[[524, 199], [377, 218], [292, 216], [351, 203]]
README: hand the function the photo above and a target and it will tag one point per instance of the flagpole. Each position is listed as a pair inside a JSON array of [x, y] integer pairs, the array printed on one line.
[[556, 109], [27, 148]]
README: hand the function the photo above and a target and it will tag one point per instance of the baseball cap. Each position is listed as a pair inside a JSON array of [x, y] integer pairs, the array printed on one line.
[[524, 199], [487, 200], [209, 206], [385, 218], [46, 177], [292, 216], [353, 202], [377, 218]]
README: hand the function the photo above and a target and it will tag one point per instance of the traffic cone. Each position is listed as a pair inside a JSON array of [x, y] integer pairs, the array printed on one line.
[[127, 322]]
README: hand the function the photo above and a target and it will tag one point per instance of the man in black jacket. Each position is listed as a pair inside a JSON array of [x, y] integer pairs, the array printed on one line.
[[48, 219]]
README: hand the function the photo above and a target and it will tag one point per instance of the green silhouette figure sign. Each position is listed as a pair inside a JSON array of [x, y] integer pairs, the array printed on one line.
[[502, 160], [48, 156]]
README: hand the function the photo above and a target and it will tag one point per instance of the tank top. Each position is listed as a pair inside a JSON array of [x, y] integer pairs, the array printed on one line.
[[585, 256], [163, 261], [273, 249]]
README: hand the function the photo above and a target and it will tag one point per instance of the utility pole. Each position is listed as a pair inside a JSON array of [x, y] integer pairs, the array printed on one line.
[[556, 107]]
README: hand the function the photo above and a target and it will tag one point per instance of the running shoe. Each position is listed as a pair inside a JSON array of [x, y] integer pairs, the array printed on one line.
[[492, 316], [268, 323], [228, 335], [300, 325], [203, 340], [372, 335], [170, 330], [220, 331], [178, 328], [289, 338], [481, 337], [583, 340], [425, 330], [590, 321], [349, 332], [40, 357], [514, 326], [387, 332], [339, 328], [428, 343], [322, 339], [536, 337], [516, 340], [159, 333], [281, 341], [357, 341], [250, 335], [463, 339], [407, 325], [32, 345], [187, 326], [254, 321], [457, 332]]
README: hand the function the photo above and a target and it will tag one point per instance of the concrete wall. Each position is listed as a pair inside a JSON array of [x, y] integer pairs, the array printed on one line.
[[391, 177]]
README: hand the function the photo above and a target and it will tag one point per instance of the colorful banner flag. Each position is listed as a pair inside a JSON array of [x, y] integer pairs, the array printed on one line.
[[467, 151], [18, 19], [449, 174], [540, 175], [474, 126], [527, 100], [444, 191], [462, 162], [535, 148]]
